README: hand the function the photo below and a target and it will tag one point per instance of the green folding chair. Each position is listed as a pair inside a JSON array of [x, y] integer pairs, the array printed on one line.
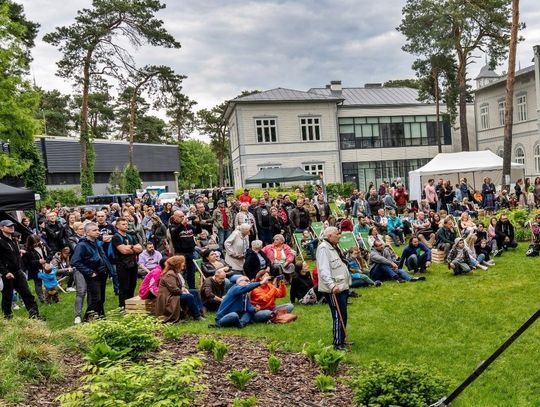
[[347, 241], [297, 237], [317, 228], [198, 266]]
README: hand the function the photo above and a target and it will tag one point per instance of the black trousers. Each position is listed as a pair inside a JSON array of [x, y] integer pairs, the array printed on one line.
[[127, 282], [19, 284], [95, 288]]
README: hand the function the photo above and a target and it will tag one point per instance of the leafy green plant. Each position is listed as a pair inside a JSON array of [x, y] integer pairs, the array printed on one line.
[[103, 355], [312, 349], [133, 332], [154, 383], [274, 346], [382, 384], [240, 377], [274, 364], [172, 331], [220, 350], [328, 359], [247, 402], [206, 344], [325, 383], [523, 235]]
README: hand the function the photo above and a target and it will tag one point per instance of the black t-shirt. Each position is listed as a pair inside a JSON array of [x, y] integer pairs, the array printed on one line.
[[127, 260]]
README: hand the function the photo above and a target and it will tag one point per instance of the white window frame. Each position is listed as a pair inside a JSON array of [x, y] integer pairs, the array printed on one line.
[[272, 123], [314, 168], [484, 117], [501, 108], [520, 159], [521, 103], [308, 123], [537, 158]]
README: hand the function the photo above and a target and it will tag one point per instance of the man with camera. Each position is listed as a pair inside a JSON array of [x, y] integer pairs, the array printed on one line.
[[12, 276]]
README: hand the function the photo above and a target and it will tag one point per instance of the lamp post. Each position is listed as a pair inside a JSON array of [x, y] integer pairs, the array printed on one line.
[[176, 174]]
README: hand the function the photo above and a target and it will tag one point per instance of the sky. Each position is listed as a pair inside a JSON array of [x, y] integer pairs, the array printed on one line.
[[232, 45]]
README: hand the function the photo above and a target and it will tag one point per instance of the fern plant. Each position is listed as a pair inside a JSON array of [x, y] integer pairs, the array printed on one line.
[[325, 383], [219, 351], [102, 355], [206, 344], [240, 377]]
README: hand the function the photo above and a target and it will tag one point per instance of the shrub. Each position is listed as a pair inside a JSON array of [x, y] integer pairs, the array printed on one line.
[[312, 349], [102, 355], [328, 359], [247, 402], [219, 351], [131, 179], [154, 383], [333, 189], [523, 235], [240, 377], [274, 346], [206, 344], [382, 384], [66, 196], [274, 364], [132, 331], [325, 383]]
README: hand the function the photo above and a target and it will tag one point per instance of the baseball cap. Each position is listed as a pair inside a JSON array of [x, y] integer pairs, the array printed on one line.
[[6, 222]]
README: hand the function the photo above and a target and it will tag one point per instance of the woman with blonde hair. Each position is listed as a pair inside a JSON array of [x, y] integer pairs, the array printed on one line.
[[174, 301]]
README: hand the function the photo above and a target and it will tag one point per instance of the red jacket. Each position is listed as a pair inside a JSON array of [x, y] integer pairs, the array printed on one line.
[[245, 198], [288, 253]]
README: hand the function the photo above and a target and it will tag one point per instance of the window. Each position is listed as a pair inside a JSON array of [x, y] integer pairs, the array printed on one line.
[[484, 117], [394, 131], [500, 152], [310, 128], [519, 155], [315, 169], [522, 108], [537, 158], [266, 130], [501, 108]]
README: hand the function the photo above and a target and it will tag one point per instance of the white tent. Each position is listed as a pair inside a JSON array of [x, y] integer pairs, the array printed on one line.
[[473, 165]]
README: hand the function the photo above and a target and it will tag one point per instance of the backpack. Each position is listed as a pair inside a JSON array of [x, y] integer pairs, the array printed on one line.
[[282, 316], [111, 252]]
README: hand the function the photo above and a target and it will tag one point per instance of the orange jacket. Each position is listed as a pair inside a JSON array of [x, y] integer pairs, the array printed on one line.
[[265, 295]]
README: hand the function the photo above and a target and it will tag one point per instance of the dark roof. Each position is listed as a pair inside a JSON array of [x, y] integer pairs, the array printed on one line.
[[502, 78], [63, 155], [286, 95], [485, 72], [373, 96]]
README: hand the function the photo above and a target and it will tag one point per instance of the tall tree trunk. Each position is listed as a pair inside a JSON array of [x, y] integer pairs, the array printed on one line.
[[131, 135], [509, 108], [462, 85], [437, 110], [87, 165]]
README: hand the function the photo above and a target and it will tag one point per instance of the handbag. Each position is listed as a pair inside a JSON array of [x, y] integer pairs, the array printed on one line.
[[282, 316]]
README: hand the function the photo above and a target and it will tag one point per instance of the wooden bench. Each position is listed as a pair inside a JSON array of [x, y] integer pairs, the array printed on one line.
[[136, 305], [437, 256]]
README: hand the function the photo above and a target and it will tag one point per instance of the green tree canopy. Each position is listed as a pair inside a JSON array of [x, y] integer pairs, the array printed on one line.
[[198, 164]]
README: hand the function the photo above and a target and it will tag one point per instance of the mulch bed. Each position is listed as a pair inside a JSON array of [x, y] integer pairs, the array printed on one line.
[[292, 386]]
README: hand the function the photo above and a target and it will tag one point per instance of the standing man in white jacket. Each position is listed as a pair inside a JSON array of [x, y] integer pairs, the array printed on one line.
[[334, 282]]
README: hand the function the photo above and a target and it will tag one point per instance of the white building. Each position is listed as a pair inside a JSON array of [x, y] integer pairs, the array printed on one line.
[[343, 134], [489, 112]]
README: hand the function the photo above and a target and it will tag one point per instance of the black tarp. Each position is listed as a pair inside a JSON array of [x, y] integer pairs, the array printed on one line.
[[16, 199]]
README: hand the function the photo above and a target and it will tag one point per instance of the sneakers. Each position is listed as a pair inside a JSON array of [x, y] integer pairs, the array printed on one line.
[[341, 348], [200, 318], [213, 326], [400, 281], [70, 290], [499, 252], [77, 320], [421, 278], [490, 263], [16, 307], [352, 294], [378, 283], [480, 266]]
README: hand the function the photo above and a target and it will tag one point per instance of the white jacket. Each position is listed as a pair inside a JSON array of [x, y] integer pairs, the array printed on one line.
[[331, 269]]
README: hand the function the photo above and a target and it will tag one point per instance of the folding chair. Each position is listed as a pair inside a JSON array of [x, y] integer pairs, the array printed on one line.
[[317, 228], [347, 241], [198, 266], [297, 238]]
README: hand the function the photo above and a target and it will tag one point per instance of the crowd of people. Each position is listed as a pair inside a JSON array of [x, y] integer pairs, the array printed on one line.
[[247, 250]]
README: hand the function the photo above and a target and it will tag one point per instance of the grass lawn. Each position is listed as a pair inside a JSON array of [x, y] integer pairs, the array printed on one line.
[[447, 323]]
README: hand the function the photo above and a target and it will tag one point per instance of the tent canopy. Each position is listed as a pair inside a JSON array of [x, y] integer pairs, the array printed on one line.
[[454, 165], [15, 199], [282, 174]]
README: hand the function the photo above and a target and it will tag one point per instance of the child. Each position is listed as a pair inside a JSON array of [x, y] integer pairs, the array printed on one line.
[[458, 258], [48, 276], [482, 249], [309, 243]]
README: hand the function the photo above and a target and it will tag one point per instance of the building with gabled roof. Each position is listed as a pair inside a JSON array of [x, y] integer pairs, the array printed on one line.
[[357, 134]]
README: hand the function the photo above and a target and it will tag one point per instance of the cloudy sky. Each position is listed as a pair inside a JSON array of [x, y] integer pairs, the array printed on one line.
[[233, 45]]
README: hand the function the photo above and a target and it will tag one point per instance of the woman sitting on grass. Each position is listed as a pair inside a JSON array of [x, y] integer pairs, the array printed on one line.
[[264, 297], [173, 297], [458, 258], [150, 285], [302, 287]]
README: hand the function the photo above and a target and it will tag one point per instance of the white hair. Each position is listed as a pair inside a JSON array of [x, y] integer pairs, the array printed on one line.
[[244, 227], [329, 230], [256, 244]]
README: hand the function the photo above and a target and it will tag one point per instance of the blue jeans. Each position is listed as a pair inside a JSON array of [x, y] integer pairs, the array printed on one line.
[[475, 262], [265, 314], [361, 280], [397, 237], [235, 319], [114, 278], [335, 302], [384, 272], [222, 235], [193, 303]]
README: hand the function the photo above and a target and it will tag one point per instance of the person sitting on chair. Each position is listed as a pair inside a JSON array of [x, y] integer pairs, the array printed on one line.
[[280, 255], [256, 260]]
